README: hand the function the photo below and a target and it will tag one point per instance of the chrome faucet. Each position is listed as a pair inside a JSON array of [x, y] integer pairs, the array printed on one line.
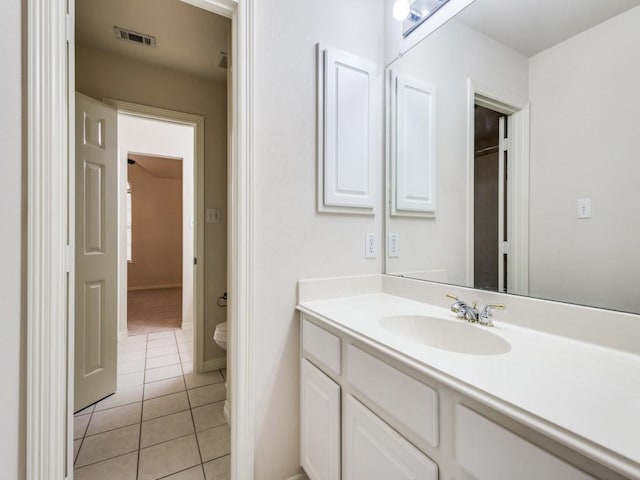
[[486, 315], [463, 310], [471, 314]]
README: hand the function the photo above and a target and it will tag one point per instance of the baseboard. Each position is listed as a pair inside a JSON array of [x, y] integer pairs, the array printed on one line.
[[215, 364], [154, 287], [122, 335], [187, 326]]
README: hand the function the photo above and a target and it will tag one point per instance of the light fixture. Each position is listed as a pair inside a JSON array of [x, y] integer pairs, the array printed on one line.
[[401, 9]]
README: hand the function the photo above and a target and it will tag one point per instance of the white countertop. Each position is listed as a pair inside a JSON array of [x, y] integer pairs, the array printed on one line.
[[583, 395]]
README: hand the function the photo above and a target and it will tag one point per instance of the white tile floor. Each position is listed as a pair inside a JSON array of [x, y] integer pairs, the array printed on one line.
[[163, 422]]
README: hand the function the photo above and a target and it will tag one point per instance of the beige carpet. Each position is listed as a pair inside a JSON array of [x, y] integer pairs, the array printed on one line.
[[154, 310]]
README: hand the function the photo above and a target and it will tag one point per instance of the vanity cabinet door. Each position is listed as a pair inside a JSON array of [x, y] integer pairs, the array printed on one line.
[[489, 452], [319, 424], [374, 451]]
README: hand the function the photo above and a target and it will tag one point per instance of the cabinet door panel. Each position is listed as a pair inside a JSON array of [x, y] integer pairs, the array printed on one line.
[[374, 451], [489, 452], [319, 424]]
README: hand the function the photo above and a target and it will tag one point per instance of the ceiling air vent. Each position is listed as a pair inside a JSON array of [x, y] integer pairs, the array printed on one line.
[[131, 36], [224, 60]]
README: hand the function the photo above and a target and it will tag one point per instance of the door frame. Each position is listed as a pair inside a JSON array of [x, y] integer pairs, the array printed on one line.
[[50, 218], [197, 122], [518, 195]]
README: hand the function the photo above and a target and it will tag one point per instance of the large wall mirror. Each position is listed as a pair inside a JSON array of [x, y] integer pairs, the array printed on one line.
[[513, 152]]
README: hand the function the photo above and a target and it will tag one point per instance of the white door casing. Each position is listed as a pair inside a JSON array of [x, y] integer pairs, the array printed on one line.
[[517, 196], [96, 252], [50, 130]]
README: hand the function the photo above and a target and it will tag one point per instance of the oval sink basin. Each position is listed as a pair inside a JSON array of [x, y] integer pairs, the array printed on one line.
[[454, 336]]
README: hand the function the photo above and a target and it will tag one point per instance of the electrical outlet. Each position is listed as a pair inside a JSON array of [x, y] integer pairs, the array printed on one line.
[[370, 249], [393, 247], [584, 208]]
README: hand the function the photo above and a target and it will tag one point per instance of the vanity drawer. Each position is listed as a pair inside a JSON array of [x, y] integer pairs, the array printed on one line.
[[321, 347], [412, 404], [490, 452]]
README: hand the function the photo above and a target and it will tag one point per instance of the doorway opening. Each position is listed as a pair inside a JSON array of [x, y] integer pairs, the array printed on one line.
[[160, 224], [490, 200], [166, 380], [497, 190]]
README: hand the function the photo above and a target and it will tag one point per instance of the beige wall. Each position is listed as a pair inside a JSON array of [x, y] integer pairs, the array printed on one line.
[[293, 241], [100, 74], [156, 212], [12, 208]]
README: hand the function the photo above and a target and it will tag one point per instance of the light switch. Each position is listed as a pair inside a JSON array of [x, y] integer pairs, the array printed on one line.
[[584, 208], [213, 215], [393, 248]]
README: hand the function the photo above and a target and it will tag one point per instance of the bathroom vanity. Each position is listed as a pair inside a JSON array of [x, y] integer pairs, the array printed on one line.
[[394, 386]]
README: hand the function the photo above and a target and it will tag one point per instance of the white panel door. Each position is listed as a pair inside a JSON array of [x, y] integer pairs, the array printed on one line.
[[96, 253], [348, 173], [374, 451], [415, 147], [319, 424]]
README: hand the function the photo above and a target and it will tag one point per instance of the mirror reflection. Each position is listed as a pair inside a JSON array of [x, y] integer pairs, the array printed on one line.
[[513, 159]]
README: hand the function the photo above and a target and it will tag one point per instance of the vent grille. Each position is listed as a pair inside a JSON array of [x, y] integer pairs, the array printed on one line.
[[224, 60], [136, 37]]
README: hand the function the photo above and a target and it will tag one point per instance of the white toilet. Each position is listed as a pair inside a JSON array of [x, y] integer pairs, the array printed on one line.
[[220, 335]]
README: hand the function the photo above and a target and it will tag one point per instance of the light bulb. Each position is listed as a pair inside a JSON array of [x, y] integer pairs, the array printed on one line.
[[401, 9]]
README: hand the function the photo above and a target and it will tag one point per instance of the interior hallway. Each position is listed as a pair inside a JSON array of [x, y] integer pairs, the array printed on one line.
[[164, 421]]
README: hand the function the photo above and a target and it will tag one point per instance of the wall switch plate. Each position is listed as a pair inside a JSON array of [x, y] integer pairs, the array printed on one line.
[[393, 247], [370, 245], [584, 208], [213, 215]]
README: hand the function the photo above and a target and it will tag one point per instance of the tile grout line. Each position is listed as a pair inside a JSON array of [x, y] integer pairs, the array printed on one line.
[[193, 421], [105, 460], [144, 375], [84, 435]]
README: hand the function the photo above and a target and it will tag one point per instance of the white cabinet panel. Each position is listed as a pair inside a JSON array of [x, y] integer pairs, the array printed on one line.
[[410, 402], [345, 86], [322, 346], [489, 452], [414, 162], [319, 424], [374, 451]]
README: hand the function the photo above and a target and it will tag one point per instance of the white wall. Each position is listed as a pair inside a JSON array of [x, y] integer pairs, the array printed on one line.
[[12, 207], [584, 144], [292, 240], [439, 243]]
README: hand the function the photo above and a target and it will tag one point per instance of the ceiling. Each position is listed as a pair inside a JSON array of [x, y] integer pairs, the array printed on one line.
[[161, 167], [188, 39], [531, 26]]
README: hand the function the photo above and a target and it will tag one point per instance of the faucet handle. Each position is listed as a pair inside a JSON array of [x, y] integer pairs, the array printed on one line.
[[486, 316], [457, 306]]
